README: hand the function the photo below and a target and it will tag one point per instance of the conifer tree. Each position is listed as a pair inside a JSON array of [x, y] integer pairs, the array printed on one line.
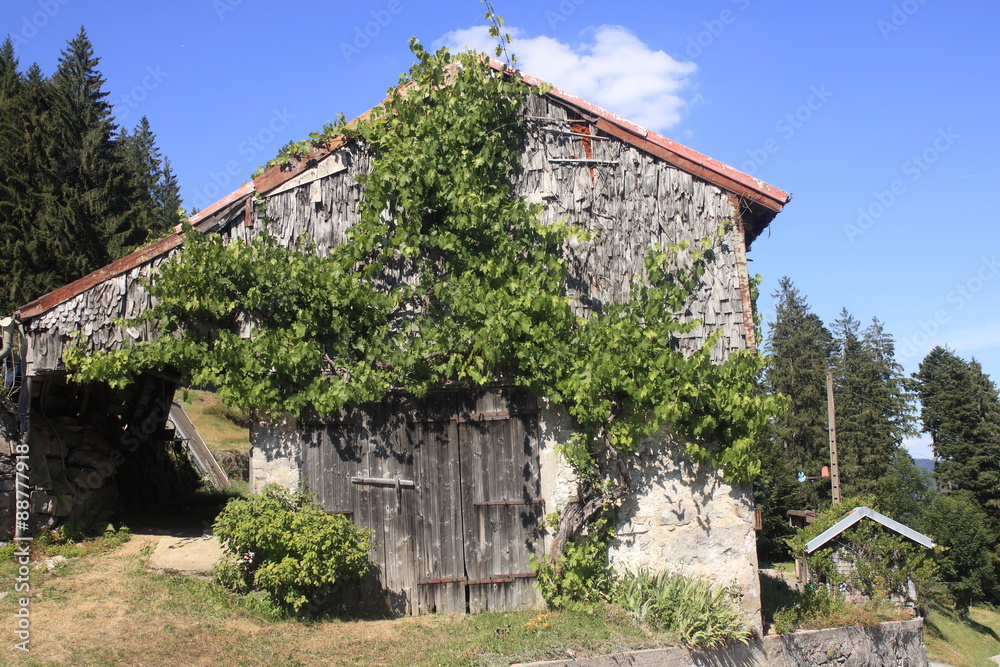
[[28, 181], [168, 196], [872, 405], [960, 409], [93, 185], [800, 347], [156, 194], [74, 195]]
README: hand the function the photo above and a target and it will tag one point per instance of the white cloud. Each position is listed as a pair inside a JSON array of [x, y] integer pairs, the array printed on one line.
[[615, 70]]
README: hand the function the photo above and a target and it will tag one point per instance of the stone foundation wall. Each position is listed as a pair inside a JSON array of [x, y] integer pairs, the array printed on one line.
[[275, 455], [681, 517], [898, 644]]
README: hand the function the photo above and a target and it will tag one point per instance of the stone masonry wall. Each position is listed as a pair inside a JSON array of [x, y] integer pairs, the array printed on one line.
[[681, 517], [897, 644], [275, 455]]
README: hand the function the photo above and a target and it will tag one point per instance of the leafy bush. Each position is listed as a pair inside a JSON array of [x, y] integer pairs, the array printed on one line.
[[819, 607], [282, 542], [816, 603], [580, 576], [700, 613]]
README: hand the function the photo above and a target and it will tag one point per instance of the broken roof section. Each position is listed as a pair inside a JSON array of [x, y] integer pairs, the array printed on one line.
[[854, 517], [759, 202]]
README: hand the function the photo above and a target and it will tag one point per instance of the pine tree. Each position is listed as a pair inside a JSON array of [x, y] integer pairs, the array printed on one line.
[[872, 405], [28, 181], [94, 190], [960, 409], [74, 195], [800, 347], [149, 218], [168, 195], [11, 154]]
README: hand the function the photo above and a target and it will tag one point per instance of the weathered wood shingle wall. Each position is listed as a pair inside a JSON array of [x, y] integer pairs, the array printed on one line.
[[92, 314], [629, 202]]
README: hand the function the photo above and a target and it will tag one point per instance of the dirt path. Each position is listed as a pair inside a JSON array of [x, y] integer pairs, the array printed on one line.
[[111, 610]]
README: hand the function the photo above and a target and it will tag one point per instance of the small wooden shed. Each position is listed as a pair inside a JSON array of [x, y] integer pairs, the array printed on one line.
[[842, 556], [455, 485]]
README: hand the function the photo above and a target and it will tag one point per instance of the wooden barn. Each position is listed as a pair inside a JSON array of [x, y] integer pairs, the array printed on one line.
[[456, 485]]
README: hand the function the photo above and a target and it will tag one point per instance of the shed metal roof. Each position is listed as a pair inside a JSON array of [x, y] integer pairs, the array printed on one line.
[[854, 517]]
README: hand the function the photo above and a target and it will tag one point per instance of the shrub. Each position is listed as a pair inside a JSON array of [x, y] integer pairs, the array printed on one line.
[[816, 603], [964, 553], [580, 576], [700, 613], [819, 607], [283, 543]]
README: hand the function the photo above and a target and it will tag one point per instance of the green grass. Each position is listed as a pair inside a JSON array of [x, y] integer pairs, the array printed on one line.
[[962, 642], [221, 428]]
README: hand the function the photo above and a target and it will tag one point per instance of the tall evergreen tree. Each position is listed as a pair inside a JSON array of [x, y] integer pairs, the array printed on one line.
[[28, 181], [800, 347], [154, 208], [73, 194], [11, 153], [168, 195], [872, 405], [960, 409], [93, 185]]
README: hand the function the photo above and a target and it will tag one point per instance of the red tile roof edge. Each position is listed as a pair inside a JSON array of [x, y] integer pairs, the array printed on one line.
[[48, 301], [687, 159], [642, 138]]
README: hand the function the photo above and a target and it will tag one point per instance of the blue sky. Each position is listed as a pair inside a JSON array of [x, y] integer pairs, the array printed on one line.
[[879, 116]]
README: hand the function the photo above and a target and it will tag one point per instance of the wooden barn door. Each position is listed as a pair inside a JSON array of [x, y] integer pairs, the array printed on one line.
[[450, 486], [501, 503]]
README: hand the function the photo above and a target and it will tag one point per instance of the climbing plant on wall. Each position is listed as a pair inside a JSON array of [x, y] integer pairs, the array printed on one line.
[[449, 277]]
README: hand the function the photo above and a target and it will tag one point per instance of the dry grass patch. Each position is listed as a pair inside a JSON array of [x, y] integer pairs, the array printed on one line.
[[107, 609], [968, 642], [221, 427]]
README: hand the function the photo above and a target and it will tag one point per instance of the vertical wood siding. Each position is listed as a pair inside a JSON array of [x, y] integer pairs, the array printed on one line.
[[449, 484]]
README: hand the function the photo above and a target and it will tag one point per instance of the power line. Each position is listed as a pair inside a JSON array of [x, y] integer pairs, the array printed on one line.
[[886, 409]]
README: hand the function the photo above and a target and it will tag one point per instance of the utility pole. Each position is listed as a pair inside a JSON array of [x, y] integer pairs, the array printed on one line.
[[831, 416]]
